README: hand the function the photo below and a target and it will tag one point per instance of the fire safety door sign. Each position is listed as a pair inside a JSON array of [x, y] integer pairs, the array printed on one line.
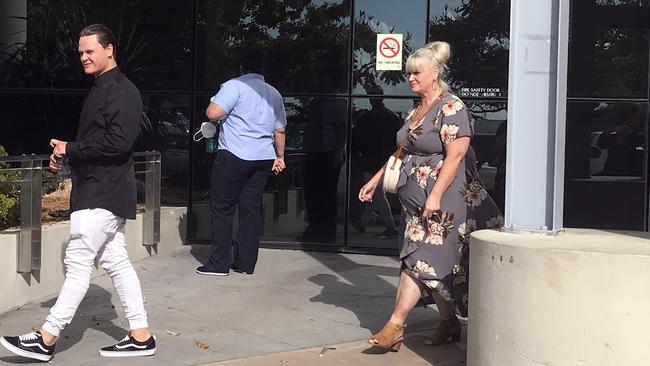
[[389, 52]]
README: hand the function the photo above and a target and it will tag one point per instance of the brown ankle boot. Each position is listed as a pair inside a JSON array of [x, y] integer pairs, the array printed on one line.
[[447, 329]]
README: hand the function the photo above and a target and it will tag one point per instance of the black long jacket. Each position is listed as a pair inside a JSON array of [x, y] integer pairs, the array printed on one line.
[[101, 157]]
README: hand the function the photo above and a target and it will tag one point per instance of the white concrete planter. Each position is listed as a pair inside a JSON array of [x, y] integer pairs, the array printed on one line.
[[579, 298], [17, 289]]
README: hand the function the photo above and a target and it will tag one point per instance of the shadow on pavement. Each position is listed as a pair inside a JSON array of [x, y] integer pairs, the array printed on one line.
[[200, 252], [361, 287], [95, 312], [442, 355], [16, 360], [362, 290]]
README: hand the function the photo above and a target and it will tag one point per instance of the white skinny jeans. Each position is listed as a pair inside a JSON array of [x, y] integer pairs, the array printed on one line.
[[96, 233]]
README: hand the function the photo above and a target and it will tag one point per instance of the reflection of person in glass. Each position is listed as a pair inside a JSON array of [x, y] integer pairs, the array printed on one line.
[[373, 138], [251, 146], [103, 197], [442, 199], [496, 157], [323, 143], [619, 143]]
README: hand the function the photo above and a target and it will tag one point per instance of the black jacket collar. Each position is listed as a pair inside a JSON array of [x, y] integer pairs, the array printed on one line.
[[108, 76]]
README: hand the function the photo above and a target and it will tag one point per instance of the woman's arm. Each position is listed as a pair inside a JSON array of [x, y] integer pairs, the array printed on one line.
[[455, 153], [366, 192]]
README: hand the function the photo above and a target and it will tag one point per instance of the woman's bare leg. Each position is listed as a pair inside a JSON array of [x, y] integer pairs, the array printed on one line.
[[408, 295]]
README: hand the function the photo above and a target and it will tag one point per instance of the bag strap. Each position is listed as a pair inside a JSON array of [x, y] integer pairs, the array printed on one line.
[[399, 150]]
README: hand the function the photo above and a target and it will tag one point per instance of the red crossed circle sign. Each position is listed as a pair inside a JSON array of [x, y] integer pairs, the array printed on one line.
[[389, 47]]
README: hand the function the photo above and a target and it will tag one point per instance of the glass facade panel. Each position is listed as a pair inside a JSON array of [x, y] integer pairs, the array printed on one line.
[[611, 63], [489, 144], [201, 162], [478, 32], [608, 51], [606, 134], [606, 165], [605, 205], [29, 121], [166, 128], [153, 42], [307, 201], [384, 16], [375, 124], [306, 42], [606, 140]]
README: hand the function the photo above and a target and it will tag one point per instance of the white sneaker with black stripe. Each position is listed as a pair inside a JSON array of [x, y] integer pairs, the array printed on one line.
[[29, 345], [129, 347]]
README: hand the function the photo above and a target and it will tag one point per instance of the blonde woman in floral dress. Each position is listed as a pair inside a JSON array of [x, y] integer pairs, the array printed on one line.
[[443, 201]]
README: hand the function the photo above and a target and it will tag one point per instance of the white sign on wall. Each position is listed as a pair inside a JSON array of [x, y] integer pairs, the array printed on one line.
[[479, 92], [389, 52]]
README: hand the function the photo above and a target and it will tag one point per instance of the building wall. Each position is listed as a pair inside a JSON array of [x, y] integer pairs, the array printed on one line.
[[321, 58]]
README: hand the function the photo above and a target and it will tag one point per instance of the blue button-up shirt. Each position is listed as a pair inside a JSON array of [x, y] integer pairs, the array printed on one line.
[[254, 109]]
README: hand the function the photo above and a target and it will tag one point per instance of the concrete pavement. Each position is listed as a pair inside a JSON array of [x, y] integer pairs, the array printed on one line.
[[412, 353], [295, 304]]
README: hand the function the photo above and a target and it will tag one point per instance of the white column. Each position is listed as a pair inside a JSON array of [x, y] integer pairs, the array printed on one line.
[[536, 115]]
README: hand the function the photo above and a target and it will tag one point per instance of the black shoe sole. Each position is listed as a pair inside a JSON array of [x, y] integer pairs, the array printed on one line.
[[218, 274], [147, 352]]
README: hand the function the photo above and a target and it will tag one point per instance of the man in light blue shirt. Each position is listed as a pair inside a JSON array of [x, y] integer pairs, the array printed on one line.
[[251, 146]]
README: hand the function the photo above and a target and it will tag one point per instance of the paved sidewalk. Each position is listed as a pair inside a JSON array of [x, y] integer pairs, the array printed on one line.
[[296, 302], [412, 353]]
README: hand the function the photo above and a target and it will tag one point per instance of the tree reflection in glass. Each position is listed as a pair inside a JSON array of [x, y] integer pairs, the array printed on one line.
[[622, 2], [479, 34], [306, 42], [153, 57], [619, 72], [381, 17]]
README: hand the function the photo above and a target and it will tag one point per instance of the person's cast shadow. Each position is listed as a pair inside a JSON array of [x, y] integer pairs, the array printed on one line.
[[371, 299], [95, 312], [200, 252]]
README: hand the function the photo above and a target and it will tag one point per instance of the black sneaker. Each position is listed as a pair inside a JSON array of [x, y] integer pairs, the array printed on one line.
[[129, 347], [29, 345], [239, 270], [203, 270]]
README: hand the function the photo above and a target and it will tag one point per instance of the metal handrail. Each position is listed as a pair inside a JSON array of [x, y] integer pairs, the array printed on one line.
[[31, 168], [152, 161]]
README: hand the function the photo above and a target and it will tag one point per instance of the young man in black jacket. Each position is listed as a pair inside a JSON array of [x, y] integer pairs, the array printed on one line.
[[103, 198]]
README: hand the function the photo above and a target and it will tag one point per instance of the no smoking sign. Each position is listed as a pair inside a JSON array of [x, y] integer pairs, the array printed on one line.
[[389, 52]]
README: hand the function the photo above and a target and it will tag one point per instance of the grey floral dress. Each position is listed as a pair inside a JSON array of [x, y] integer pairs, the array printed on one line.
[[435, 251]]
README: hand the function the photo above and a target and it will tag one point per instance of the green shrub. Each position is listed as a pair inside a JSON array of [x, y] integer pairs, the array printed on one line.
[[9, 195]]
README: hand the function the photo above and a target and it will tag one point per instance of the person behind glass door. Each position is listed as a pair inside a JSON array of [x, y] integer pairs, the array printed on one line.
[[103, 197], [442, 199], [373, 138], [250, 147], [323, 143]]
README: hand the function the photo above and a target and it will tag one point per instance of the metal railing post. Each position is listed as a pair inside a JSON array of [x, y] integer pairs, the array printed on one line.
[[152, 199], [29, 244]]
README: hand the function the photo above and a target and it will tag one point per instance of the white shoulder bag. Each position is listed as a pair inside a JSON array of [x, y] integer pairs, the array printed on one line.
[[391, 174]]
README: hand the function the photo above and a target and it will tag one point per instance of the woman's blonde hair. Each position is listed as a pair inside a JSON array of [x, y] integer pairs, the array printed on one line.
[[434, 55]]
